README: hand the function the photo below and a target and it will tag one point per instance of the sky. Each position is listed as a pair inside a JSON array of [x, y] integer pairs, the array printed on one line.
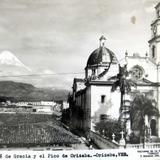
[[57, 36]]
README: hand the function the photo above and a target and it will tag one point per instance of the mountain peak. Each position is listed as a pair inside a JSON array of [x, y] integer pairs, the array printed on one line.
[[8, 58]]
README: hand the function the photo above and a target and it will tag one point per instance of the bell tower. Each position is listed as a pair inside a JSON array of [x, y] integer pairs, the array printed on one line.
[[154, 42]]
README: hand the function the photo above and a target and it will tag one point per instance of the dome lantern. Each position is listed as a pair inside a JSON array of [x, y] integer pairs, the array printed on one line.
[[102, 41]]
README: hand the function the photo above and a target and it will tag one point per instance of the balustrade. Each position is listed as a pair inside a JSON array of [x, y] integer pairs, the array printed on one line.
[[147, 145]]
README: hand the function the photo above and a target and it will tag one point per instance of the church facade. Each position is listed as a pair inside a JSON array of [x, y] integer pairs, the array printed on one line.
[[92, 98]]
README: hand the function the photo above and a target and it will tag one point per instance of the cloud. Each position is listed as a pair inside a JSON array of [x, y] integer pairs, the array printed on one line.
[[52, 36], [150, 9], [149, 5], [47, 71]]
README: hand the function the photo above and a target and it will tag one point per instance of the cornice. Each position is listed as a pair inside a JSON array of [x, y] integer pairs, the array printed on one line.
[[110, 83], [154, 38], [155, 21]]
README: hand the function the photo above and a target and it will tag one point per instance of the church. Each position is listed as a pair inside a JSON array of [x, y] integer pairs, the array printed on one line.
[[92, 98]]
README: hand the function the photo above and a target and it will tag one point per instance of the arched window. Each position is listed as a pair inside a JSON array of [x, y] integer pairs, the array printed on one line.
[[93, 72], [153, 51], [153, 127]]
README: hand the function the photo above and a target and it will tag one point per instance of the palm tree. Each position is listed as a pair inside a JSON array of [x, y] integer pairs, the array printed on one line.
[[124, 84], [121, 81], [140, 107]]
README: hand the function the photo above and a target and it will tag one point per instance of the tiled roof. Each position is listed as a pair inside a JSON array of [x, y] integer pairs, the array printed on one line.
[[35, 134], [21, 130], [96, 56]]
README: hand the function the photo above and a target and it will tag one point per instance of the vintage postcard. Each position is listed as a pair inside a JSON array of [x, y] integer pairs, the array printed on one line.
[[79, 79]]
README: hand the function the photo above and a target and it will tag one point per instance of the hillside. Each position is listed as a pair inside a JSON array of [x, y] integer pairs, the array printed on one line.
[[16, 91]]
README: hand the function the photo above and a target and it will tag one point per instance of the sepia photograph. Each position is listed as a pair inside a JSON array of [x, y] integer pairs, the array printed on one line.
[[79, 75]]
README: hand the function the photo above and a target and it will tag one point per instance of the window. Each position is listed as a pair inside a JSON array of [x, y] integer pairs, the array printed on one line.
[[93, 71], [157, 13], [137, 72], [153, 52], [153, 127], [103, 117], [106, 58], [103, 98]]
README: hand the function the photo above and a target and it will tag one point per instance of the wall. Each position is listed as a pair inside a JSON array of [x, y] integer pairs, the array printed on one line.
[[109, 107], [150, 69], [102, 142], [87, 108]]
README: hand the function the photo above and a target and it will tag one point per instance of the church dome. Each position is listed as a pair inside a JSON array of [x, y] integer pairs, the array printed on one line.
[[101, 56]]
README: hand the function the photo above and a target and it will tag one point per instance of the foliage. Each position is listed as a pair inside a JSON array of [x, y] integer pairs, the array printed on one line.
[[65, 116], [108, 127], [134, 138], [121, 81], [141, 106]]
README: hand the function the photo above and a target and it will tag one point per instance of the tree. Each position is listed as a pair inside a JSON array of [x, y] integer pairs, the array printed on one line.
[[121, 81], [109, 126], [141, 106]]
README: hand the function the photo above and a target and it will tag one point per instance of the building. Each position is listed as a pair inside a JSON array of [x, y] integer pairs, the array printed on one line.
[[92, 97], [35, 103], [34, 132], [36, 107]]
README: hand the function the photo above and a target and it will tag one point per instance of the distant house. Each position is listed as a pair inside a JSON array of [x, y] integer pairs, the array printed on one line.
[[29, 106]]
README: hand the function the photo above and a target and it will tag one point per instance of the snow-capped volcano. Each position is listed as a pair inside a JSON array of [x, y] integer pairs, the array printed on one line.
[[8, 58]]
